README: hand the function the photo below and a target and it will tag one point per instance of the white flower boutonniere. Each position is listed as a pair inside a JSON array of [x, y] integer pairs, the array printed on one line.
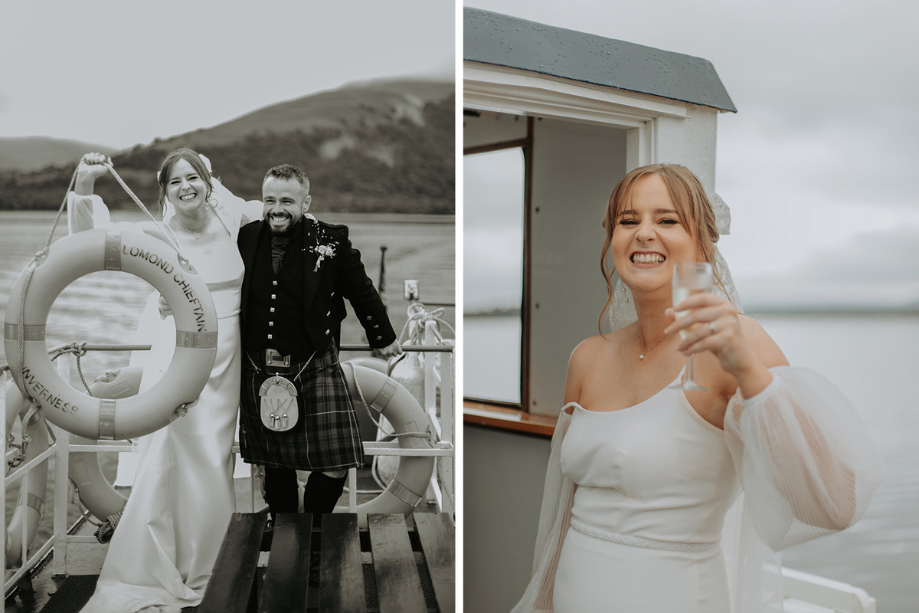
[[323, 251]]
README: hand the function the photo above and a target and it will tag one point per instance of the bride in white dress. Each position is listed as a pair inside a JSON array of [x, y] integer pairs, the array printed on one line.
[[643, 510], [163, 550]]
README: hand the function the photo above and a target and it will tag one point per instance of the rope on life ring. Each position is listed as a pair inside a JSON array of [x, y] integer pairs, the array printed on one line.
[[30, 508], [413, 429], [148, 258]]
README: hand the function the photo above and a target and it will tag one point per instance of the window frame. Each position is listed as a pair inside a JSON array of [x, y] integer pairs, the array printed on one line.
[[525, 144]]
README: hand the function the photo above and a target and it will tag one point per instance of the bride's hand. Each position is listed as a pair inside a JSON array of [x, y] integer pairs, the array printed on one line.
[[91, 165], [91, 168], [712, 324]]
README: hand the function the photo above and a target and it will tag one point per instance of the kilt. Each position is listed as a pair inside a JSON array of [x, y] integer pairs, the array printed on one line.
[[326, 437]]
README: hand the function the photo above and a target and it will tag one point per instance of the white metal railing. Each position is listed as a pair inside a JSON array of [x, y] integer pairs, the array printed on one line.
[[441, 380], [21, 473]]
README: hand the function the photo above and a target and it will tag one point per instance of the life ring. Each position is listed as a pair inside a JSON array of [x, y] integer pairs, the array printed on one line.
[[95, 491], [406, 491], [157, 263], [30, 508], [364, 420]]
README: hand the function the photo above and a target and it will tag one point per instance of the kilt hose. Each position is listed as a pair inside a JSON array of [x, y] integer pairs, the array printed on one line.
[[326, 436]]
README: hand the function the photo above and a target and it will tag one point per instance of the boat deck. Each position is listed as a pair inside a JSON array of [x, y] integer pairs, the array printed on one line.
[[85, 559]]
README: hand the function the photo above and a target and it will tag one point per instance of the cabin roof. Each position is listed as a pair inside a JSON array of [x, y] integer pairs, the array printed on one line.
[[502, 40]]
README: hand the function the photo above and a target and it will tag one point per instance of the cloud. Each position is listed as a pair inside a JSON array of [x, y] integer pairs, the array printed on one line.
[[874, 269]]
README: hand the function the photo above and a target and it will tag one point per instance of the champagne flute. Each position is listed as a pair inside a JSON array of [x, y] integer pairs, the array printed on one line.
[[690, 278]]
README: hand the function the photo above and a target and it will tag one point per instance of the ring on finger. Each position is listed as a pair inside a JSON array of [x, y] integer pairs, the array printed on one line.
[[711, 326]]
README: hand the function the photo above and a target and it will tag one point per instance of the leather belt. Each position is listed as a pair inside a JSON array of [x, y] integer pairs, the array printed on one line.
[[272, 361]]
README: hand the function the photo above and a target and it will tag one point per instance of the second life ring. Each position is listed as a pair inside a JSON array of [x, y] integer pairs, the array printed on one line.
[[364, 420], [30, 508], [95, 491], [148, 258], [407, 490]]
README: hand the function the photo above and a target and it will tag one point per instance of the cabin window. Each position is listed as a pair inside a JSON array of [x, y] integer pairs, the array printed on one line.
[[493, 274]]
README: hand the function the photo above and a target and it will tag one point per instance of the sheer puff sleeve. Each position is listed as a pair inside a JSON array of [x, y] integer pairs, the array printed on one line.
[[554, 517], [807, 463], [86, 213]]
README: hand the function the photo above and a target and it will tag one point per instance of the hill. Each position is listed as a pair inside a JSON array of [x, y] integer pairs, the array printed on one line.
[[381, 146], [34, 152]]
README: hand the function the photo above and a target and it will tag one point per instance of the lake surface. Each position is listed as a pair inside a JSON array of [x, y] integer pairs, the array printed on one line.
[[872, 359], [104, 307]]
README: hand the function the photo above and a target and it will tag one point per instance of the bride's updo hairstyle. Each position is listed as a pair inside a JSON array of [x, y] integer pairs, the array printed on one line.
[[190, 156], [693, 208]]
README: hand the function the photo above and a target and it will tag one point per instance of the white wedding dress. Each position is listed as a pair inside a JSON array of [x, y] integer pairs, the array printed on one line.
[[641, 511], [654, 483], [164, 548]]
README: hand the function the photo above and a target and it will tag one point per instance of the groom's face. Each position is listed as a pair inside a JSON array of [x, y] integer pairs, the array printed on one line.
[[285, 200]]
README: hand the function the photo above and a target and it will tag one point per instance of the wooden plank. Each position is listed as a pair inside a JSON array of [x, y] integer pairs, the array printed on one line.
[[437, 536], [232, 584], [287, 576], [341, 578], [398, 583]]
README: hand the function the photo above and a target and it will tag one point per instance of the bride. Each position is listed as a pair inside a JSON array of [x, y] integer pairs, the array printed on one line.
[[163, 551], [639, 510]]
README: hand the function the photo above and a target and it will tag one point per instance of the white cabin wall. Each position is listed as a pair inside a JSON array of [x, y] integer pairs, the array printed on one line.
[[575, 167], [503, 476], [690, 142], [490, 128]]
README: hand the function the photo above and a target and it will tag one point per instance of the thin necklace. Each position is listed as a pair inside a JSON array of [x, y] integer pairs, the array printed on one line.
[[196, 233], [641, 342]]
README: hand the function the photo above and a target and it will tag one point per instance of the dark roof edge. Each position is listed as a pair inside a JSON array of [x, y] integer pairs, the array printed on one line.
[[503, 40]]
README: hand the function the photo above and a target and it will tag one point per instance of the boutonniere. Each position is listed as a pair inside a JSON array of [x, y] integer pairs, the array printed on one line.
[[323, 251]]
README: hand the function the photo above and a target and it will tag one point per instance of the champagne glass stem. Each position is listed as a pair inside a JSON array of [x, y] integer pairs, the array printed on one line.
[[689, 383]]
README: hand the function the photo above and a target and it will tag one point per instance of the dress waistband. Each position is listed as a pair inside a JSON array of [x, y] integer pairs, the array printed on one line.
[[635, 541]]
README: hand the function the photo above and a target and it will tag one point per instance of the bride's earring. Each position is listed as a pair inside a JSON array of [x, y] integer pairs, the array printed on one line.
[[210, 199], [625, 294]]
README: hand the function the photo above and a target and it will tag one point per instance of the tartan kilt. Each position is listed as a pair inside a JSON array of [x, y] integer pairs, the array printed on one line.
[[326, 436]]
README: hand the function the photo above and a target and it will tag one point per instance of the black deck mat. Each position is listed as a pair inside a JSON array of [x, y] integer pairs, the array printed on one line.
[[73, 593]]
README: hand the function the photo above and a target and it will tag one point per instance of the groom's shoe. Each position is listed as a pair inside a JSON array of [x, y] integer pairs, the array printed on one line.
[[321, 493]]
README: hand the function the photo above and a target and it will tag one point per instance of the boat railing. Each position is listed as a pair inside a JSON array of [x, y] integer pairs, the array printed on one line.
[[439, 385]]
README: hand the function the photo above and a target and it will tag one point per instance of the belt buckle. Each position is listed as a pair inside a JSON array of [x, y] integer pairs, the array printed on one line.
[[273, 358]]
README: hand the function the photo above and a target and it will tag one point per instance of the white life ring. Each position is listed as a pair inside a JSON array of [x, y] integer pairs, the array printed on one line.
[[406, 491], [95, 491], [364, 420], [157, 263], [30, 508]]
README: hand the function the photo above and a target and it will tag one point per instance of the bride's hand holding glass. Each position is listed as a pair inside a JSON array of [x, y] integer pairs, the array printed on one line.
[[711, 323]]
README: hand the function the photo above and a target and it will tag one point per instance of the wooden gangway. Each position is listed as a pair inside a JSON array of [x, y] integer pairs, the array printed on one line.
[[331, 565]]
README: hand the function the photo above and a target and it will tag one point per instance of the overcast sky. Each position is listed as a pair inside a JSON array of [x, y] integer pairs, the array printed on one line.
[[819, 164], [120, 73]]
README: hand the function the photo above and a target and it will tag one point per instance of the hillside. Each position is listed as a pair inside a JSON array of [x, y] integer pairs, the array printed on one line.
[[384, 146], [29, 153]]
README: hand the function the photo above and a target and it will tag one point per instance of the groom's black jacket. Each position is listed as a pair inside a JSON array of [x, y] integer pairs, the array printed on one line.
[[340, 274]]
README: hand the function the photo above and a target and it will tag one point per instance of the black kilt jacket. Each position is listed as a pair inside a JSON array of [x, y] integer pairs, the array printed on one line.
[[338, 277], [327, 438]]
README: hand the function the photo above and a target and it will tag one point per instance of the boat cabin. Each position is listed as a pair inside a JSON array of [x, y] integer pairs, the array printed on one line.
[[553, 119]]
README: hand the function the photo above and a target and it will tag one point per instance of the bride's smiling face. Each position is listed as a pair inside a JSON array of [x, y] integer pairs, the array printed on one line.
[[186, 188], [649, 236]]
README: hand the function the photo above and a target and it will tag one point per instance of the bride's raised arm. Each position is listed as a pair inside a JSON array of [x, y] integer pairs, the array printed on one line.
[[808, 466], [85, 210]]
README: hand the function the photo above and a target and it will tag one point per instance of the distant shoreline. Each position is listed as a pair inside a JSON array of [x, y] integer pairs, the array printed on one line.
[[773, 312], [331, 217]]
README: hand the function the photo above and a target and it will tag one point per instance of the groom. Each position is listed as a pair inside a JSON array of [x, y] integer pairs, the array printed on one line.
[[295, 411]]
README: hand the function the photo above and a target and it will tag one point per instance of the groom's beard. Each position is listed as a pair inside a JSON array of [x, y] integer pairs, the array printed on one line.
[[287, 229]]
